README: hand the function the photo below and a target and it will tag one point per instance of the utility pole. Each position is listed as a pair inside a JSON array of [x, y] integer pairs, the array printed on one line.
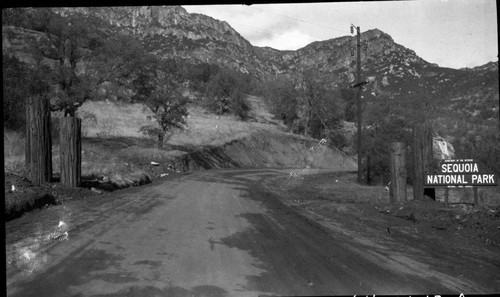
[[358, 85]]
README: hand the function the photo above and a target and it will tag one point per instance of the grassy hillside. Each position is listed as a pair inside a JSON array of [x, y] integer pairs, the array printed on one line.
[[113, 146]]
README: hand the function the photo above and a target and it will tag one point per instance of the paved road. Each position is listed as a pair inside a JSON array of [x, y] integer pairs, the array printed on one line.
[[211, 233]]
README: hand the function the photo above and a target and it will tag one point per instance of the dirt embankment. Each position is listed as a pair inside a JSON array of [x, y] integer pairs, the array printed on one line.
[[260, 150]]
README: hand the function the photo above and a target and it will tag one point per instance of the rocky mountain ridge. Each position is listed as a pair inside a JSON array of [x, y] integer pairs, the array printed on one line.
[[391, 69]]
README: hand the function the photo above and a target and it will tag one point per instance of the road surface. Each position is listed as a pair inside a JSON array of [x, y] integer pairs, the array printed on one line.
[[209, 233]]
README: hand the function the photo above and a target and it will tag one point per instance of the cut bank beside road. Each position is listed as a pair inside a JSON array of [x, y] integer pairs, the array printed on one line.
[[257, 150]]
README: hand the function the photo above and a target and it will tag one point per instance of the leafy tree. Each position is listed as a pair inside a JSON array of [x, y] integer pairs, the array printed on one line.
[[225, 92], [114, 62], [320, 108], [327, 115], [159, 87], [17, 17], [14, 81], [305, 106], [282, 97], [376, 143], [21, 81], [384, 123], [480, 142], [350, 108], [86, 59], [66, 39], [199, 75]]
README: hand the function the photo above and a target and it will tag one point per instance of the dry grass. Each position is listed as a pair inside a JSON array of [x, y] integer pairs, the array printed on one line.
[[104, 120], [208, 129], [107, 159], [112, 144], [108, 119]]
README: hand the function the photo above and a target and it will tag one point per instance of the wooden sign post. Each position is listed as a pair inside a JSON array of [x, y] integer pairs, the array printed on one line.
[[422, 160], [398, 172]]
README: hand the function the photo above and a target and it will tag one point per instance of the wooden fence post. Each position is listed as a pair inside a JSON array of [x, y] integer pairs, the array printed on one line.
[[398, 172], [422, 160], [38, 146], [71, 151]]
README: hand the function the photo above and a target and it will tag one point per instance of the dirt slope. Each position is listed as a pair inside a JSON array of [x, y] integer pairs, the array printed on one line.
[[264, 150]]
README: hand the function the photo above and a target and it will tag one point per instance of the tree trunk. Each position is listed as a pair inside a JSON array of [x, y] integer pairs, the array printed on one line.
[[71, 151], [309, 115], [398, 172], [422, 160], [38, 149], [161, 136]]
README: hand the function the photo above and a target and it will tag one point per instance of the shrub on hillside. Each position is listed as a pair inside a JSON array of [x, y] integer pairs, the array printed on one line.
[[338, 139], [150, 130], [226, 94], [240, 106], [282, 98]]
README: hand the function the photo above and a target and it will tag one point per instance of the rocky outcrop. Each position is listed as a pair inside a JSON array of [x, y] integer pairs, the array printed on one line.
[[170, 31]]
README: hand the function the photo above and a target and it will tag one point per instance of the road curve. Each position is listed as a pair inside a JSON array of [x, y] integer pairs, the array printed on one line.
[[209, 233]]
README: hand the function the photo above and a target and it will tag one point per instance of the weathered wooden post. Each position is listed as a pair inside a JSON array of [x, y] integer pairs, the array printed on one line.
[[422, 160], [38, 147], [398, 171], [446, 196], [476, 198], [71, 151]]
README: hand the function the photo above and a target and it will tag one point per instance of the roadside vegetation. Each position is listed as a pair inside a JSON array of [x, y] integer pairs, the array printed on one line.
[[137, 108], [306, 107]]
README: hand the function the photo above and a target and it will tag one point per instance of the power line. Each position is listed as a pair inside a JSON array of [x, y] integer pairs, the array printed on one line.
[[280, 34], [300, 20]]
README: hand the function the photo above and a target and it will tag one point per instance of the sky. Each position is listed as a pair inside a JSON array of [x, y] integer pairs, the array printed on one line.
[[450, 33]]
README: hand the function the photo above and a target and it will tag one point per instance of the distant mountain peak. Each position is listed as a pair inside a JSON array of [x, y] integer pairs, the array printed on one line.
[[375, 33]]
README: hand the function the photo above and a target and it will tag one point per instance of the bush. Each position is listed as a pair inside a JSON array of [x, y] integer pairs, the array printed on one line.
[[282, 98], [240, 106], [338, 139], [226, 94]]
